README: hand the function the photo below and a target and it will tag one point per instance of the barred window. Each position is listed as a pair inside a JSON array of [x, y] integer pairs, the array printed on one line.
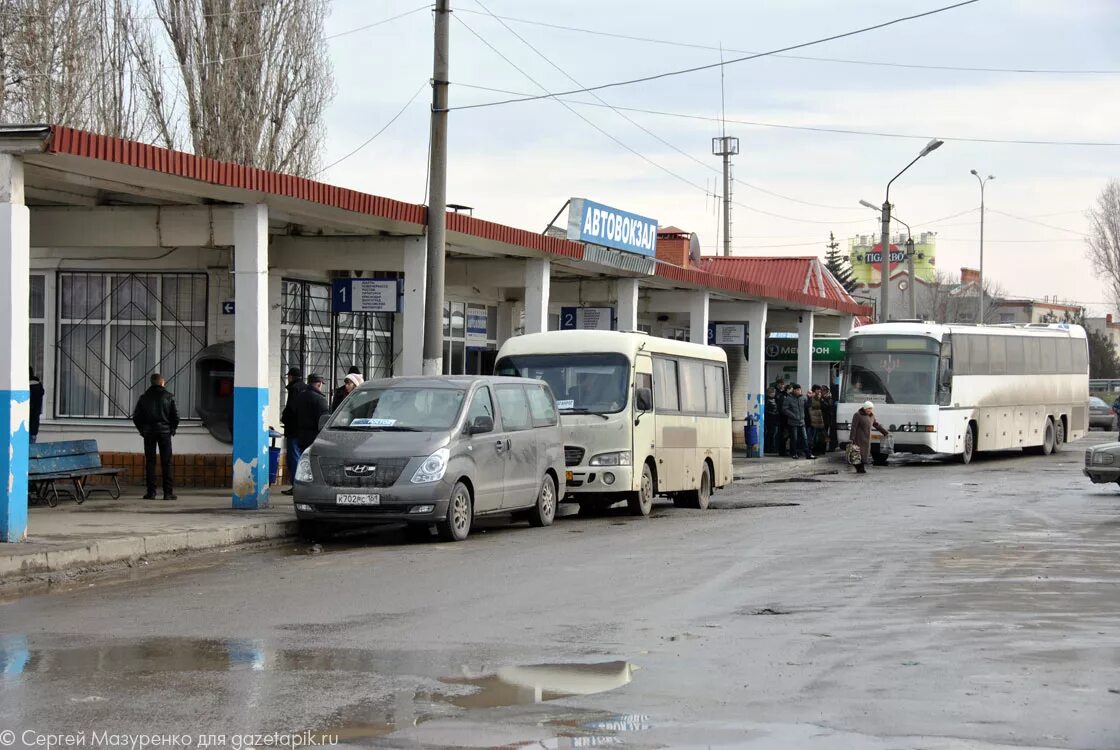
[[116, 329], [38, 316]]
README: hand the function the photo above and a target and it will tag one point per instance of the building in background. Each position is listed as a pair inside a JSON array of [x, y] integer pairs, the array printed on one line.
[[1106, 327], [1024, 311]]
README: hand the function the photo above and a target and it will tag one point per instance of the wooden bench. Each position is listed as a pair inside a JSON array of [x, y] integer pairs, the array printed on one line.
[[68, 461]]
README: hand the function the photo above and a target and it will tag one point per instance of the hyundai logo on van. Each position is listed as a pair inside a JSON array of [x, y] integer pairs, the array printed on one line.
[[597, 224], [360, 470]]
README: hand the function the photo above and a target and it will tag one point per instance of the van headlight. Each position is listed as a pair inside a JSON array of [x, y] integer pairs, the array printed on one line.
[[303, 468], [618, 458], [1101, 457], [433, 468]]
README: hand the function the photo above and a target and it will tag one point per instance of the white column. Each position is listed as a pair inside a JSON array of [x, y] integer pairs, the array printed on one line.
[[805, 350], [698, 317], [755, 381], [626, 290], [250, 357], [507, 322], [536, 295], [276, 378], [15, 394], [847, 323], [412, 311]]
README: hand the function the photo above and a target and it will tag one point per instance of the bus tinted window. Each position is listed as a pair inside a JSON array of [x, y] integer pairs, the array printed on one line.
[[977, 355], [1065, 355], [1049, 349], [1080, 356], [665, 393], [1016, 356], [1032, 347], [997, 355]]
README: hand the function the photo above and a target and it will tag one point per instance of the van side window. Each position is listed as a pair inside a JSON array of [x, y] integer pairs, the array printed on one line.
[[715, 387], [481, 406], [644, 380], [514, 406], [541, 406], [692, 386], [665, 393]]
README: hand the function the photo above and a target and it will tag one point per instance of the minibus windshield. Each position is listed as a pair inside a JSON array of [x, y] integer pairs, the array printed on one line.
[[582, 383]]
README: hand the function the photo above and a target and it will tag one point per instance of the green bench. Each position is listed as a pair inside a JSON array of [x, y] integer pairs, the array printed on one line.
[[71, 463]]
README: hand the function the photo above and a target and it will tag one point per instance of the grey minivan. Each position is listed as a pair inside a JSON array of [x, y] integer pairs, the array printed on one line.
[[434, 452]]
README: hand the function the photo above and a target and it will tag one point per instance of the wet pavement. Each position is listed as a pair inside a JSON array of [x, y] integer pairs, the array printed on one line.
[[923, 605]]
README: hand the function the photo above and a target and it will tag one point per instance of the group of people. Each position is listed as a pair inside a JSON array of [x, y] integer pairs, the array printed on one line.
[[305, 407], [799, 424]]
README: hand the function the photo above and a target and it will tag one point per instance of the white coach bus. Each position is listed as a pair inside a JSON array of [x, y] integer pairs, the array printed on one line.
[[642, 415], [957, 389]]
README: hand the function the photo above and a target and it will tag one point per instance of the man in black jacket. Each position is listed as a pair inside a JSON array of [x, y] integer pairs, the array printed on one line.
[[288, 420], [310, 405], [157, 419]]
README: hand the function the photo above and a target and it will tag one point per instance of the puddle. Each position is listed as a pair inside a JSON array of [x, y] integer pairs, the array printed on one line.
[[156, 655], [537, 683], [793, 480], [770, 611]]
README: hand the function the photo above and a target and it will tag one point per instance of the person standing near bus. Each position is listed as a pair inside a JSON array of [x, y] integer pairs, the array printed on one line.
[[863, 421], [794, 407], [780, 422], [773, 416], [815, 421]]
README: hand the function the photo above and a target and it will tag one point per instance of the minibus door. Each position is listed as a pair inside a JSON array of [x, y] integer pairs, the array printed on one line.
[[645, 426]]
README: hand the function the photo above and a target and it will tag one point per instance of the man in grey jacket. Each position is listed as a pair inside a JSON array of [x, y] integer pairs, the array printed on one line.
[[795, 407]]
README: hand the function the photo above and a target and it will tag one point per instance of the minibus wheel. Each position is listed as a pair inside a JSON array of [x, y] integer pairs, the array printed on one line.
[[641, 502]]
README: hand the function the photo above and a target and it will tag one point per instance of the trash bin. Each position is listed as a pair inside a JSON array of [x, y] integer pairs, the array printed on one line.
[[750, 431], [273, 464]]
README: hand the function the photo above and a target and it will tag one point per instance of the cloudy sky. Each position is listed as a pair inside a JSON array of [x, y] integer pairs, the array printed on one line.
[[518, 163]]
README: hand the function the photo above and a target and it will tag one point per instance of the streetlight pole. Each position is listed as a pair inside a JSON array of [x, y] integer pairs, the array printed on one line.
[[983, 183], [885, 239], [909, 257]]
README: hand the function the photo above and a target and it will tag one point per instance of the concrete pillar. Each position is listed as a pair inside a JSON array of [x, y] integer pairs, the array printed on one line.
[[250, 357], [698, 317], [412, 310], [847, 323], [276, 377], [507, 322], [754, 380], [536, 295], [805, 349], [15, 394], [626, 290]]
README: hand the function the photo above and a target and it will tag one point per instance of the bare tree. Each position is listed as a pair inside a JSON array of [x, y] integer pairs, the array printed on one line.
[[946, 300], [1104, 237], [255, 78]]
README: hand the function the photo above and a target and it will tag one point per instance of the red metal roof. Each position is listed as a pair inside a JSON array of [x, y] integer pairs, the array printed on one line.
[[773, 278], [805, 278]]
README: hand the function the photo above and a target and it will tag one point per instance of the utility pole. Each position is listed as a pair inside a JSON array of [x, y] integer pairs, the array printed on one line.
[[726, 146], [885, 263], [437, 201], [983, 184]]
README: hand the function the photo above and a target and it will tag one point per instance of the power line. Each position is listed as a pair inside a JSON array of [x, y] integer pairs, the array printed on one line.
[[646, 130], [813, 129], [710, 48], [721, 63], [1039, 223], [373, 137], [627, 147]]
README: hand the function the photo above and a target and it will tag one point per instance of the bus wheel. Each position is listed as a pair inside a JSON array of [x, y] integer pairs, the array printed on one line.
[[1059, 434], [699, 498], [1047, 446], [641, 502], [965, 457]]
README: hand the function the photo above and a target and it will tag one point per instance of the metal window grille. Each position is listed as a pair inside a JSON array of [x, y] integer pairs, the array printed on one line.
[[115, 329]]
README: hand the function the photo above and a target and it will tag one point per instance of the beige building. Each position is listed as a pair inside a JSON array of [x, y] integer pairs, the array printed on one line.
[[1027, 311]]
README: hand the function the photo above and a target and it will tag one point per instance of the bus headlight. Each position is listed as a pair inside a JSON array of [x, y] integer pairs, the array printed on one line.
[[618, 458]]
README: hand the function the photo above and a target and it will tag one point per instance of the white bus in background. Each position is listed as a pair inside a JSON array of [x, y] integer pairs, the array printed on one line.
[[642, 415], [957, 389]]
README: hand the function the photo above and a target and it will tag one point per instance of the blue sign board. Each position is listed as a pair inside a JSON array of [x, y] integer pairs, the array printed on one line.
[[597, 224], [365, 295]]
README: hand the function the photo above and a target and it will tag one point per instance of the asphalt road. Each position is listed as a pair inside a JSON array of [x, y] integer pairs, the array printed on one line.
[[921, 606]]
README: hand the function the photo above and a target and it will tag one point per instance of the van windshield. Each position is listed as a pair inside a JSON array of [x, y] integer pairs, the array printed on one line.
[[583, 383], [399, 410]]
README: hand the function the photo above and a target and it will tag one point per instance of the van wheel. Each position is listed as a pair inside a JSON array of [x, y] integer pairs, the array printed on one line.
[[699, 498], [965, 456], [1059, 434], [460, 514], [641, 502], [543, 513]]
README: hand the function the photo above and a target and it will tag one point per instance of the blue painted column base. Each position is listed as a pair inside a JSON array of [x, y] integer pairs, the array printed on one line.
[[250, 448], [15, 406]]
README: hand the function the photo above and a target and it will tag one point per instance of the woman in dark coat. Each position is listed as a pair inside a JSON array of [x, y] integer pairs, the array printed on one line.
[[863, 421]]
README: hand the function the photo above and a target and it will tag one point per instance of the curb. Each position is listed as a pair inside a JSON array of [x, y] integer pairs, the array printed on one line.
[[789, 468], [14, 562]]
